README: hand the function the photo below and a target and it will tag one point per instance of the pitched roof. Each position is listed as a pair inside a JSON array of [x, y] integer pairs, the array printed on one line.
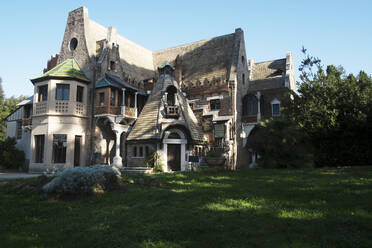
[[147, 126], [68, 69], [268, 75], [114, 81], [268, 69], [205, 59]]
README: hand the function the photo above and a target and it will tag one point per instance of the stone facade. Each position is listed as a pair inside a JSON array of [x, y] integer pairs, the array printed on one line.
[[213, 78]]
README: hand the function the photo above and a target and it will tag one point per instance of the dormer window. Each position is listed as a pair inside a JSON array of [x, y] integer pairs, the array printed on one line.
[[112, 65], [275, 107], [171, 95]]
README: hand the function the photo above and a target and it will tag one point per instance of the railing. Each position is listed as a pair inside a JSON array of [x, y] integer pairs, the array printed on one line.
[[27, 122], [61, 107], [40, 108], [249, 118], [116, 110], [172, 111]]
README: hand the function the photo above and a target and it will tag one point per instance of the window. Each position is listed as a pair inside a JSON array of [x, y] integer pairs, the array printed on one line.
[[59, 148], [19, 129], [27, 111], [39, 148], [171, 96], [174, 136], [141, 151], [147, 151], [79, 94], [73, 44], [243, 78], [135, 151], [112, 65], [250, 105], [101, 99], [275, 106], [215, 104], [112, 97], [120, 98], [276, 109], [43, 93], [243, 60], [63, 92]]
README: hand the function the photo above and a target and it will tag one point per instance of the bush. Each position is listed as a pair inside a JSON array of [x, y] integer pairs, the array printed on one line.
[[281, 144], [84, 180], [155, 161], [10, 156]]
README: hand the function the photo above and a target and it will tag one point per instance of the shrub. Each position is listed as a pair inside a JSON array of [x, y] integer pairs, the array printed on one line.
[[281, 144], [84, 180], [158, 163], [10, 156]]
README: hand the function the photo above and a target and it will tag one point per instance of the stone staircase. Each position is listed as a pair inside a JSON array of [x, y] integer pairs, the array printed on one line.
[[136, 170]]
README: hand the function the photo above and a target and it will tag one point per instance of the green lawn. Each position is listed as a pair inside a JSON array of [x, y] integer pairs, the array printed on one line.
[[254, 208]]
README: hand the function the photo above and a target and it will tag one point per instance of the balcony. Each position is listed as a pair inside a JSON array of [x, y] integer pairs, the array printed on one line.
[[40, 108], [27, 122], [129, 112], [60, 107], [249, 118], [172, 112], [124, 111]]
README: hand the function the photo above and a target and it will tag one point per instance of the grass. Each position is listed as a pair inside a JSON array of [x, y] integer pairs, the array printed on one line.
[[254, 208]]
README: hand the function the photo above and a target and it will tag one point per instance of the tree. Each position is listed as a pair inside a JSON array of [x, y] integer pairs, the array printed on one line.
[[335, 111], [281, 144], [1, 92], [7, 106]]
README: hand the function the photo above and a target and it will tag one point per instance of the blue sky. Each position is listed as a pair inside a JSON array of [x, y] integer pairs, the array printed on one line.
[[338, 32]]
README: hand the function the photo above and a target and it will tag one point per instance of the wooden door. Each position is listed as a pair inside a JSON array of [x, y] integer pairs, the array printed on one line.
[[174, 157], [77, 150]]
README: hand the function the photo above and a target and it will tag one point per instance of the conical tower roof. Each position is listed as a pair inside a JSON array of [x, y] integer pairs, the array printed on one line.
[[68, 69]]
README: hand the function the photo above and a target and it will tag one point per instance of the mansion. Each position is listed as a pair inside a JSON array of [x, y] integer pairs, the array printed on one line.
[[105, 99]]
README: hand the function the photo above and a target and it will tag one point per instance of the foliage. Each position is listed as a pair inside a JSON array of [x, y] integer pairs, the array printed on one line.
[[215, 152], [325, 207], [10, 156], [335, 112], [84, 180], [7, 106], [281, 144], [158, 162], [155, 161]]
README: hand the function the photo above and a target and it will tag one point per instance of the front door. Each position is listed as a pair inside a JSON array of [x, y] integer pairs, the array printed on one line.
[[77, 150], [174, 157]]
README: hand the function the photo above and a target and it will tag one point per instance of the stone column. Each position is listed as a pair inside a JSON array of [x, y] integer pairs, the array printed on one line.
[[258, 95], [117, 159], [135, 102], [123, 103]]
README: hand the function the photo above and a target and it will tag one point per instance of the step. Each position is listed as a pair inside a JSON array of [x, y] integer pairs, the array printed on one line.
[[136, 170]]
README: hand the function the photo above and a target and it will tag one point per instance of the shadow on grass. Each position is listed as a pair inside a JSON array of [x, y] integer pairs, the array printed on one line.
[[257, 208]]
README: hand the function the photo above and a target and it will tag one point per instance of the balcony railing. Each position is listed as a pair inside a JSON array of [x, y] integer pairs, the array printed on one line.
[[60, 107], [27, 122], [249, 118], [172, 111], [116, 110], [129, 112], [40, 108]]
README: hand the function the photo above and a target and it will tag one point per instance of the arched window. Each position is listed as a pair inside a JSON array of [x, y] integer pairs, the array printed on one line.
[[171, 97], [174, 136], [250, 105]]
